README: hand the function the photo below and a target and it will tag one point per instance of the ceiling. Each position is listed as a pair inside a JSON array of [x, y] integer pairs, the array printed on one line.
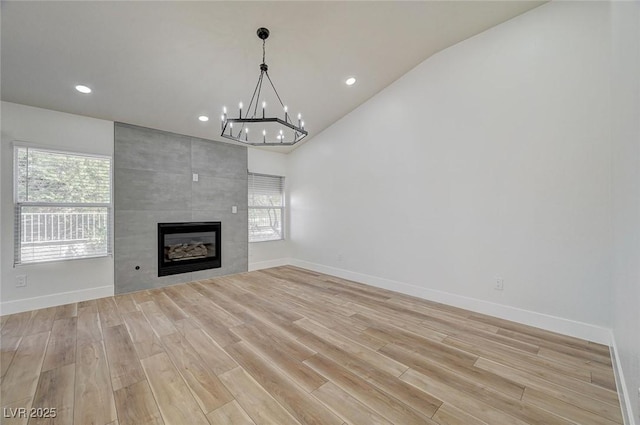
[[161, 64]]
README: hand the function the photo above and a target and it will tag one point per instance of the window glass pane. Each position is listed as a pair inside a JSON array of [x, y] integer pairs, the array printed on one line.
[[47, 224], [265, 224], [21, 177], [266, 206], [266, 191], [45, 176], [54, 233]]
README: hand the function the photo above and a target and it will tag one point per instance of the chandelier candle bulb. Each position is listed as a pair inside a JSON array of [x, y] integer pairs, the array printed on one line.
[[240, 106]]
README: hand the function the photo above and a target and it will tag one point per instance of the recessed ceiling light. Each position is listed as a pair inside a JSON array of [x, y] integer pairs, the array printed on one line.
[[350, 81], [83, 89], [203, 118]]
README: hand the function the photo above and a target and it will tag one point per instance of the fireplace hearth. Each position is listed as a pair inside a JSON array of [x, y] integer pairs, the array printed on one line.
[[188, 247]]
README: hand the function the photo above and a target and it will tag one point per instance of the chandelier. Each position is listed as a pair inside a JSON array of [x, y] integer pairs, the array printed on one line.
[[255, 127]]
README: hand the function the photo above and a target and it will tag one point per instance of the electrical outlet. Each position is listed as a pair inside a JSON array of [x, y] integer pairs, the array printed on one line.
[[499, 284], [21, 280]]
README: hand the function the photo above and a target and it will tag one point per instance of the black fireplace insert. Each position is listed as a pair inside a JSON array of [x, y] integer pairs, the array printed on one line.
[[188, 247]]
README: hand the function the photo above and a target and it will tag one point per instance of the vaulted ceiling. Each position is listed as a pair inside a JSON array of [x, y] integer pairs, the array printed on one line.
[[161, 64]]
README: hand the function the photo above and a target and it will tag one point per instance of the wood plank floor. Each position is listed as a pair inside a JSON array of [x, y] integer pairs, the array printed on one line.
[[289, 346]]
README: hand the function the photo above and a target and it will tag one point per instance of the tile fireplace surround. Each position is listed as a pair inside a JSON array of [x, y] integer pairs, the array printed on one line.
[[153, 183]]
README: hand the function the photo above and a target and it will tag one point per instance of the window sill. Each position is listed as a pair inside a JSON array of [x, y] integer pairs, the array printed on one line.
[[270, 240], [61, 260]]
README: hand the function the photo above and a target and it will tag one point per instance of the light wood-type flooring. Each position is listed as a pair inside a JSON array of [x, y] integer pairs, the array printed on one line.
[[289, 346]]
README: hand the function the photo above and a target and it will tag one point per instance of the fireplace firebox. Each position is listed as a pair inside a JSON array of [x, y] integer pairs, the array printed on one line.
[[188, 247]]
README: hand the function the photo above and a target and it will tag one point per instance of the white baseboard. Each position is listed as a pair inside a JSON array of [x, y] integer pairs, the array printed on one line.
[[259, 265], [539, 320], [560, 325], [26, 304], [555, 324], [621, 385]]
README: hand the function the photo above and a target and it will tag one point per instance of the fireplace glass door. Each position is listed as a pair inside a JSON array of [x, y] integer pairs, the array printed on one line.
[[187, 247]]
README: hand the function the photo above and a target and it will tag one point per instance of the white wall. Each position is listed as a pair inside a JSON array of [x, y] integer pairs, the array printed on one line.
[[272, 253], [490, 159], [58, 282], [625, 23]]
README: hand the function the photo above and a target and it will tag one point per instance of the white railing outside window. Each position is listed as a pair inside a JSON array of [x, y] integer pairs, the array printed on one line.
[[56, 233]]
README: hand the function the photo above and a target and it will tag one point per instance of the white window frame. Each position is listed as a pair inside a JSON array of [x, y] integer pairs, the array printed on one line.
[[282, 208], [18, 205]]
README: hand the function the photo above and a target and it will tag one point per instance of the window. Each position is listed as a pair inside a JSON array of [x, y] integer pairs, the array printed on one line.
[[62, 204], [266, 208]]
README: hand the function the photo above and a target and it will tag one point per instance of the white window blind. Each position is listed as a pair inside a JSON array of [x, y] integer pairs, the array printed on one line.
[[266, 207], [62, 204]]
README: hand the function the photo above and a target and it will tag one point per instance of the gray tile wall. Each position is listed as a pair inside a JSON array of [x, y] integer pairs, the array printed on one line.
[[153, 184]]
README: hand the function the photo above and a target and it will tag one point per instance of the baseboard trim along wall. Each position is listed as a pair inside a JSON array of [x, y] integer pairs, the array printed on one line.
[[259, 265], [26, 304], [621, 385], [551, 323], [573, 328], [555, 324]]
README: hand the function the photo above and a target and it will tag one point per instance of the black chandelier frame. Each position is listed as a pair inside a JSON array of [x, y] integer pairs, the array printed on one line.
[[228, 129]]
